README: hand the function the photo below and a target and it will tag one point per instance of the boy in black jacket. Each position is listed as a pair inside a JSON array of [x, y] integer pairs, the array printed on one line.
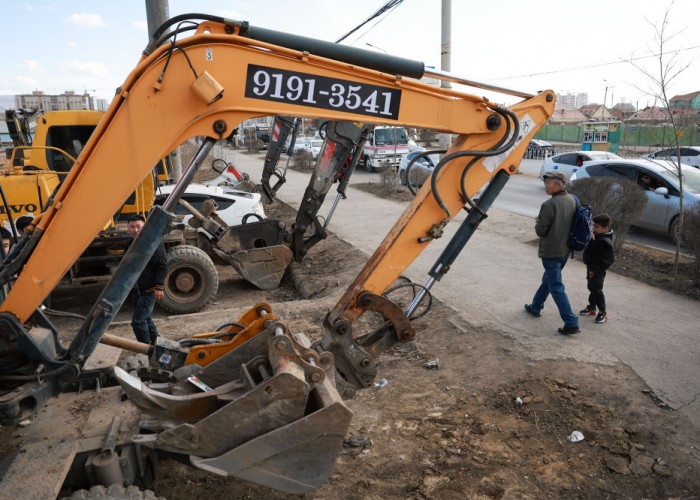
[[598, 256]]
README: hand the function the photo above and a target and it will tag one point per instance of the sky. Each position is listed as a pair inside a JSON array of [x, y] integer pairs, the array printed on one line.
[[527, 45]]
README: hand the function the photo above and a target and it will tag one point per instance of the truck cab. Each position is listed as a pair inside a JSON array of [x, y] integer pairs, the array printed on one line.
[[385, 146]]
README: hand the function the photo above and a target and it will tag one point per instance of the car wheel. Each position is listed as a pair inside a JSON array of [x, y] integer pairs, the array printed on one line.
[[368, 164], [191, 280], [403, 178], [675, 230]]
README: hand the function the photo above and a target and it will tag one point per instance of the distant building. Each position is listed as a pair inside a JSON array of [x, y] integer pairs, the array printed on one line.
[[687, 103], [623, 110], [567, 117], [46, 102], [596, 112], [651, 115], [566, 101], [571, 101], [686, 108], [100, 104]]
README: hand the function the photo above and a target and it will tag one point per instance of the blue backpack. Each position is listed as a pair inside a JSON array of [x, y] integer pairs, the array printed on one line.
[[581, 227]]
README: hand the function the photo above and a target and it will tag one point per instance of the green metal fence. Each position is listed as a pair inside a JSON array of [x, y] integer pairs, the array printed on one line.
[[632, 135]]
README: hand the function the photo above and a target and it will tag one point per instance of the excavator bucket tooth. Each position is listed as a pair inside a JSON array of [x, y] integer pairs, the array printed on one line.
[[263, 267]]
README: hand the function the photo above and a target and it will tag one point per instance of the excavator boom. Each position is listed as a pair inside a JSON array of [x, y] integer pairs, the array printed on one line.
[[268, 408]]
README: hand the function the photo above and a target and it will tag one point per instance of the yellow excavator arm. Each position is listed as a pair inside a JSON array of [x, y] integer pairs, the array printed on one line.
[[160, 105], [267, 407]]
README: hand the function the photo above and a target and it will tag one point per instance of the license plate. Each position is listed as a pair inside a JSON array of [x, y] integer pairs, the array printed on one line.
[[306, 89]]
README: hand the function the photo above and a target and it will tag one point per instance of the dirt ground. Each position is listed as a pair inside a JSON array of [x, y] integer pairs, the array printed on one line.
[[448, 423]]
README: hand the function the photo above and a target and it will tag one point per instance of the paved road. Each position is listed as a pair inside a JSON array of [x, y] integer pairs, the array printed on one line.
[[653, 331], [524, 194]]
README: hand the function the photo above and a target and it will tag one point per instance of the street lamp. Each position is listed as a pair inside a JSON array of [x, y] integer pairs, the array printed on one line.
[[605, 99]]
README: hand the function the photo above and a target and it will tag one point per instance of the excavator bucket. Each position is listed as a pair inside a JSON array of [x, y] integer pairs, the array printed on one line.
[[263, 267], [256, 252], [267, 412]]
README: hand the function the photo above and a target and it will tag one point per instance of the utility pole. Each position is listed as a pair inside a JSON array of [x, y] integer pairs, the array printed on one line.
[[446, 41], [605, 98], [157, 12], [445, 57]]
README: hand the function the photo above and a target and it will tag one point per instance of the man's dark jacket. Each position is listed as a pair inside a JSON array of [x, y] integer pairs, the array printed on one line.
[[153, 276]]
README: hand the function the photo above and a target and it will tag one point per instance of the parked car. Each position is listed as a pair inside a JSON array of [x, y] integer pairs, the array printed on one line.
[[233, 204], [568, 163], [313, 147], [663, 196], [690, 155], [421, 170], [299, 143], [538, 149]]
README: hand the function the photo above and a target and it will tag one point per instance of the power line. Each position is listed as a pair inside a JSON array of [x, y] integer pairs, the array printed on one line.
[[391, 4], [598, 65]]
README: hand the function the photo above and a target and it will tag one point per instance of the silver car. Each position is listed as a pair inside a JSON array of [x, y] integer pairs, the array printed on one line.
[[662, 191], [421, 169], [690, 155], [568, 163]]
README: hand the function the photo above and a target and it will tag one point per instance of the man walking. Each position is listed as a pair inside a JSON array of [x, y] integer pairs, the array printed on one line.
[[553, 225], [148, 288]]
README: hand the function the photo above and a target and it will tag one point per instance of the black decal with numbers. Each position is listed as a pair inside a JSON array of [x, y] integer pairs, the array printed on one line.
[[306, 89]]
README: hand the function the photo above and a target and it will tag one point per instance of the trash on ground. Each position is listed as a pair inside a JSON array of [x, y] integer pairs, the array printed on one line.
[[576, 436], [432, 365], [381, 383]]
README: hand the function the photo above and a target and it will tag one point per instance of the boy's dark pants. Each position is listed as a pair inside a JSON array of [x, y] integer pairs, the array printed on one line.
[[595, 285]]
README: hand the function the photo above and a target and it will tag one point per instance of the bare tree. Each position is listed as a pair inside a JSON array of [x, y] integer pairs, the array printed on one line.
[[659, 79], [621, 199]]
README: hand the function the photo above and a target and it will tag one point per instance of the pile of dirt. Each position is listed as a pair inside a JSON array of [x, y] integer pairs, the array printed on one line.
[[656, 268]]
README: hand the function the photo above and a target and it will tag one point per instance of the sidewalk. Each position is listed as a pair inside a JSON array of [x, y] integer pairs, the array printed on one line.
[[651, 330]]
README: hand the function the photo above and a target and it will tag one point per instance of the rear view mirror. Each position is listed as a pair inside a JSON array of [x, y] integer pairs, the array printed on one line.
[[662, 191]]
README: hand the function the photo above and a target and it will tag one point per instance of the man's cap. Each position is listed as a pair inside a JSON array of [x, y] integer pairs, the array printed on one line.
[[557, 176]]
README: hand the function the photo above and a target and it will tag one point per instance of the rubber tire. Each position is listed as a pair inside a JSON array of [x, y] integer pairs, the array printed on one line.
[[112, 492], [673, 232], [187, 258], [368, 165], [403, 177]]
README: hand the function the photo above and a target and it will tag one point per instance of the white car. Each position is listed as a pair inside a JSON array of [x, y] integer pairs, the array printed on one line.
[[313, 147], [690, 155], [299, 143], [569, 163], [233, 205], [663, 192]]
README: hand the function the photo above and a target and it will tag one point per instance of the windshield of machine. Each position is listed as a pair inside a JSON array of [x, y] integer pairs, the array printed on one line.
[[390, 136]]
